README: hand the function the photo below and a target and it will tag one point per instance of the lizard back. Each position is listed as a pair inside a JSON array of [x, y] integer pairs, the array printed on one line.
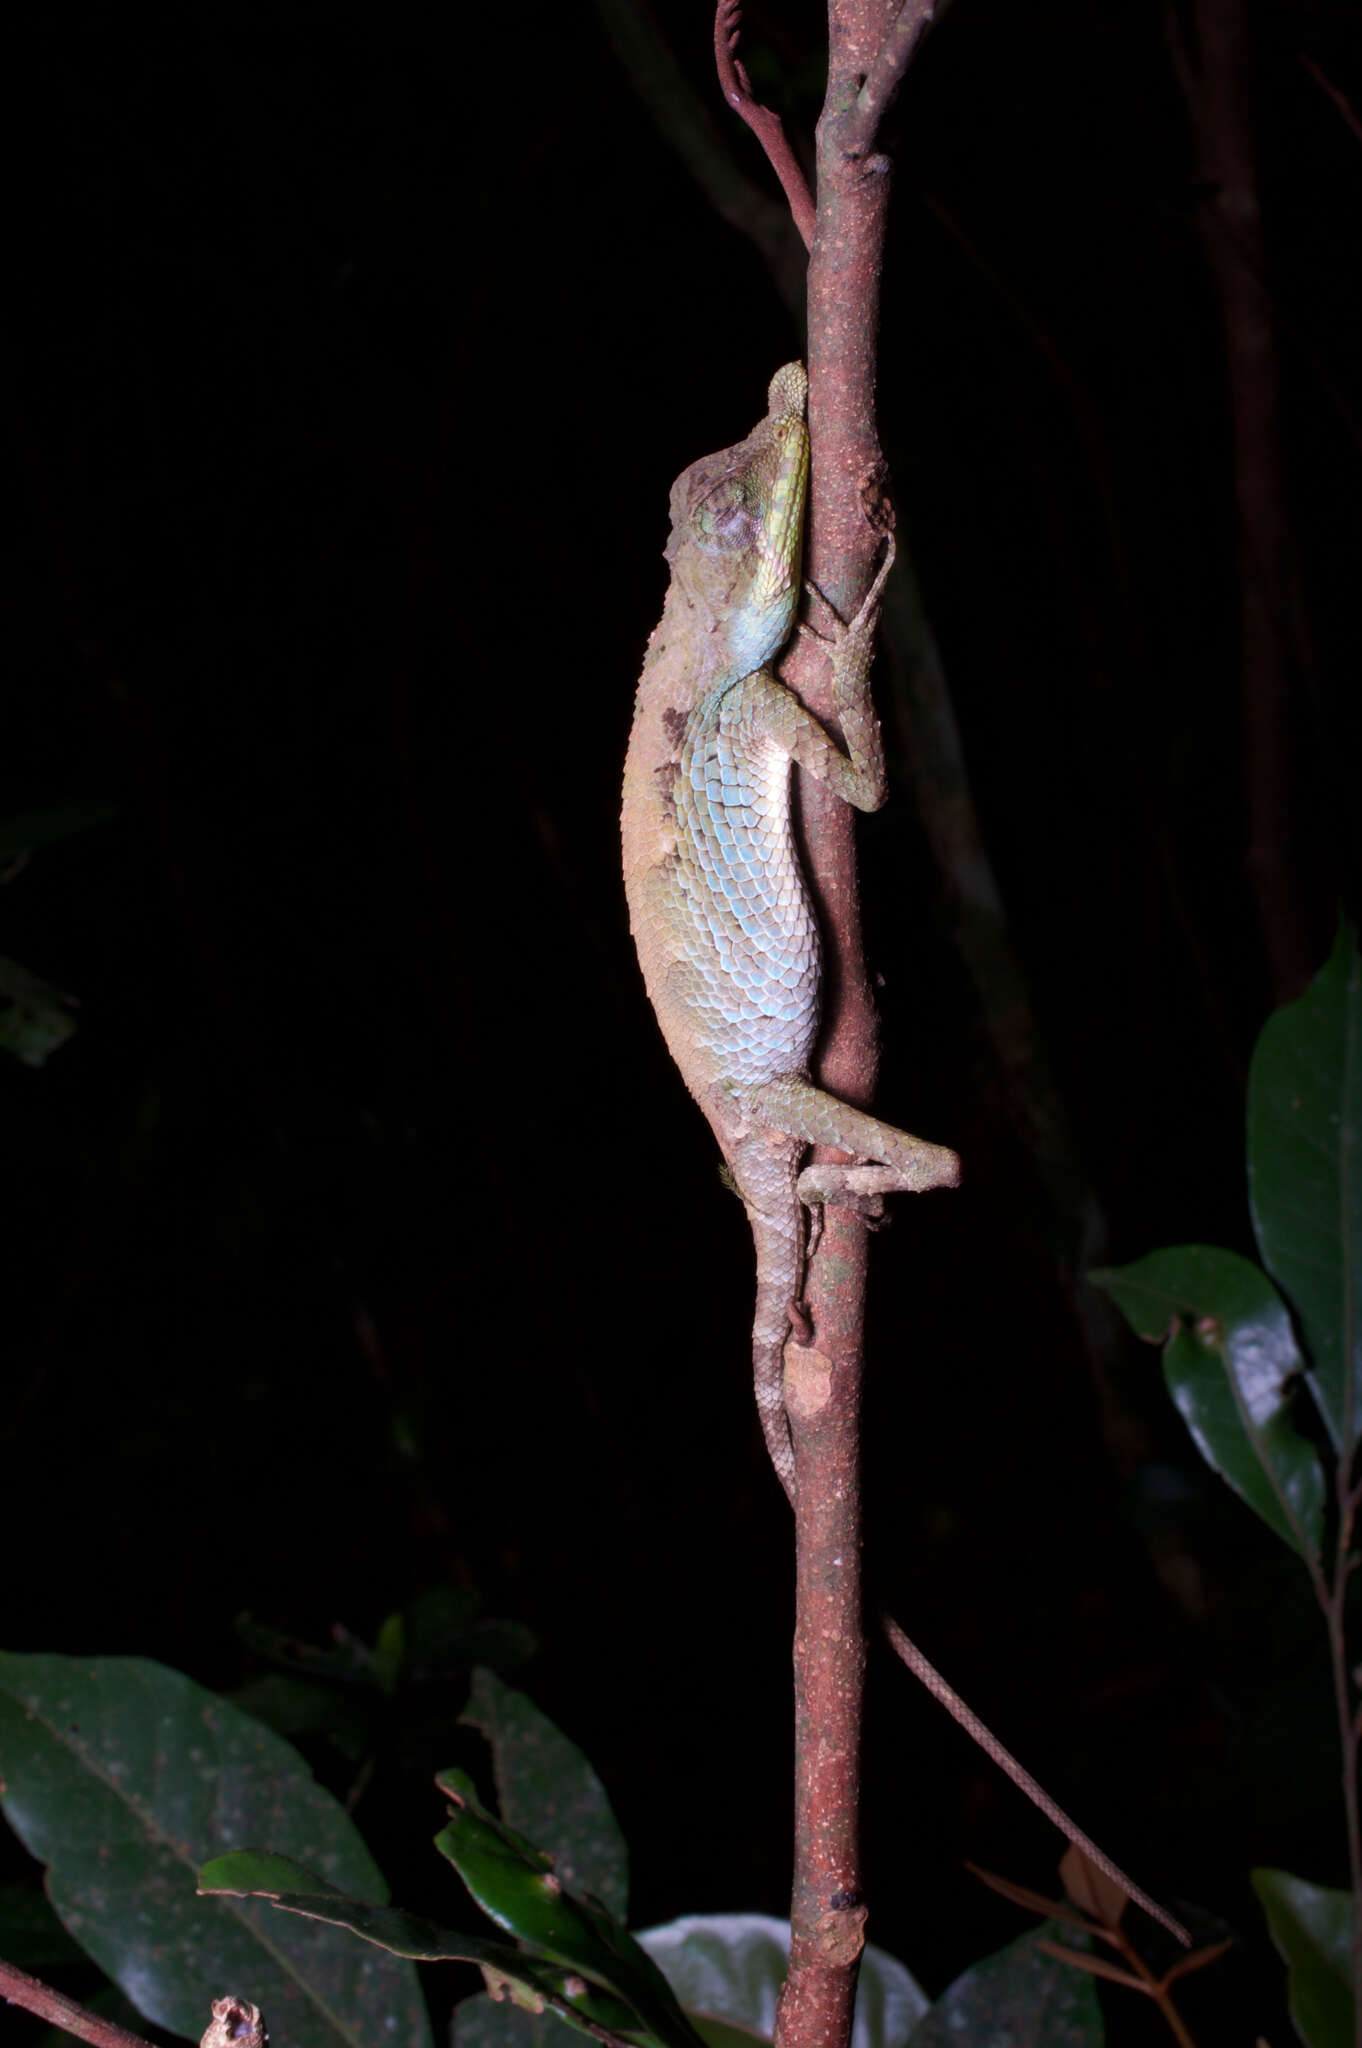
[[718, 907]]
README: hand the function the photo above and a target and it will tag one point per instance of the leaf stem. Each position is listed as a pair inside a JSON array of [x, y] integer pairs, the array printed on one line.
[[1157, 1987], [1333, 1600]]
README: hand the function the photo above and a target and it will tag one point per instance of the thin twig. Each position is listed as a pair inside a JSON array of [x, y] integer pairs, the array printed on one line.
[[1347, 1727], [950, 1699], [18, 1988], [1138, 1978], [1341, 102], [1157, 1987], [765, 124]]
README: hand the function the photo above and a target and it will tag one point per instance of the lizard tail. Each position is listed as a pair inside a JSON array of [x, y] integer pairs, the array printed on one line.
[[765, 1173], [768, 1374]]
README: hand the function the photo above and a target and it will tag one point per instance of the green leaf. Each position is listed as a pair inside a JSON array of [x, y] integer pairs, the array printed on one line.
[[1305, 1175], [483, 2022], [1018, 1998], [1229, 1361], [548, 1791], [388, 1658], [1313, 1932], [123, 1777], [486, 2022], [512, 1882], [293, 1888], [727, 1970], [730, 1967], [36, 1018], [720, 2033]]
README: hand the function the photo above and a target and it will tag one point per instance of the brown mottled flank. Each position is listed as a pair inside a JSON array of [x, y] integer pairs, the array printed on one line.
[[720, 914]]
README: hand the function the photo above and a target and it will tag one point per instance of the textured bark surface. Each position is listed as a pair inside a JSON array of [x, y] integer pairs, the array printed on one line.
[[827, 1915]]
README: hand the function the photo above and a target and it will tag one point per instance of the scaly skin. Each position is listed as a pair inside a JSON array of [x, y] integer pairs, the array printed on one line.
[[720, 914]]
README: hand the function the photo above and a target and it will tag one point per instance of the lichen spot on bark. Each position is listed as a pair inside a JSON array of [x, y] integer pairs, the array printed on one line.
[[808, 1380], [840, 1935]]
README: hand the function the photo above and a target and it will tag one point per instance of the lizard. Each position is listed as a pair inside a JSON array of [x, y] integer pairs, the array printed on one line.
[[726, 934], [720, 913]]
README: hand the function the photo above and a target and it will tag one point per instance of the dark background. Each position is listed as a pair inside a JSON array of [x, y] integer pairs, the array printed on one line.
[[362, 1239]]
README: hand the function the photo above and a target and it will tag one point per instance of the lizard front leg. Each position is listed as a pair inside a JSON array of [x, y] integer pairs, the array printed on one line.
[[766, 716]]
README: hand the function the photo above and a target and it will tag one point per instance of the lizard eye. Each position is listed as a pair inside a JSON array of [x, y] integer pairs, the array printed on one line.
[[723, 518]]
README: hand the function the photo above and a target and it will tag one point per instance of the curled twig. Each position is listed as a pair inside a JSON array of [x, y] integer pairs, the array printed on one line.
[[765, 125]]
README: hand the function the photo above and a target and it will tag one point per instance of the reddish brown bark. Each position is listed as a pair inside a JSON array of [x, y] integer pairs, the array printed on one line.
[[18, 1988], [869, 40]]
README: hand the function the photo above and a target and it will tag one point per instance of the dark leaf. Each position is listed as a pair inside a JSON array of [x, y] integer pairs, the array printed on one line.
[[1312, 1929], [1019, 1998], [511, 1880], [548, 1792], [1305, 1174], [1091, 1889], [530, 1980], [1229, 1361], [123, 1777], [35, 1018]]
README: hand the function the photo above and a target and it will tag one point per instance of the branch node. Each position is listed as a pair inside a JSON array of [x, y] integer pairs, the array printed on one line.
[[882, 80]]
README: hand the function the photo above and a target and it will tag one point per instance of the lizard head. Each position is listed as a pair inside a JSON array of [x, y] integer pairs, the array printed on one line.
[[738, 531]]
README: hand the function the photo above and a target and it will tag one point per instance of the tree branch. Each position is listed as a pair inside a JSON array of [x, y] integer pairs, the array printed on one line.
[[823, 1381], [892, 59], [18, 1988]]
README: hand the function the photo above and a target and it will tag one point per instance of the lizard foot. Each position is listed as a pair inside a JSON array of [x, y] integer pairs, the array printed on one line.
[[859, 1188]]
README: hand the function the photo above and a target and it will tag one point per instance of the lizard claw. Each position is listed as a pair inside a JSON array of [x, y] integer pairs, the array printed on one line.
[[839, 627], [823, 640]]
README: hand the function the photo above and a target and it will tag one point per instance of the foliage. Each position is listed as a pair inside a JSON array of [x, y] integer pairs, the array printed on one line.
[[1313, 1930], [1020, 1995], [126, 1779], [123, 1776], [1265, 1367]]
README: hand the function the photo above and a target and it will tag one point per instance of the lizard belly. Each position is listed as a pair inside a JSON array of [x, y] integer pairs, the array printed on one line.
[[749, 964]]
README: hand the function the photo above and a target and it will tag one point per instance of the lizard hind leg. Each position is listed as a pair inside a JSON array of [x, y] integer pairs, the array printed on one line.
[[900, 1163]]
